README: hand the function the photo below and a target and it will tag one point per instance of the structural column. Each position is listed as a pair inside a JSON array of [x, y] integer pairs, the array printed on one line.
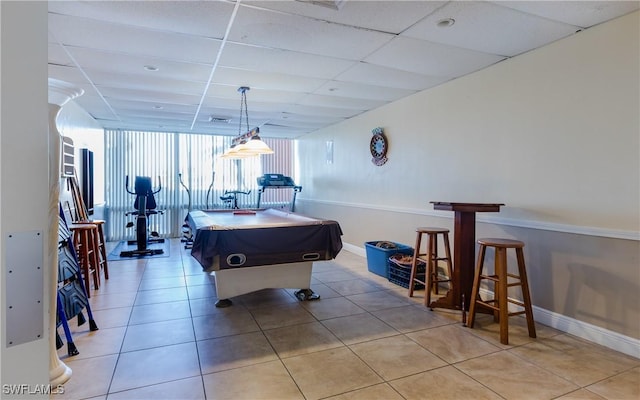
[[59, 94]]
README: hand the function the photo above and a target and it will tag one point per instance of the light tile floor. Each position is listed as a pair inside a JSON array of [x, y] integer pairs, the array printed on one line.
[[161, 337]]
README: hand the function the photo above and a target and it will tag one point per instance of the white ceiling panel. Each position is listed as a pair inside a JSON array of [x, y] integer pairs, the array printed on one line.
[[362, 91], [149, 96], [333, 112], [384, 16], [371, 74], [95, 106], [252, 58], [161, 118], [145, 82], [579, 13], [308, 65], [306, 35], [136, 107], [306, 119], [126, 39], [267, 80], [57, 55], [257, 99], [489, 28], [294, 124], [200, 18], [430, 58], [341, 102], [283, 131], [96, 60], [148, 124], [68, 74]]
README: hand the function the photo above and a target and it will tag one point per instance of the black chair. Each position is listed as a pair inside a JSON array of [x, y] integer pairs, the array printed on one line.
[[145, 205]]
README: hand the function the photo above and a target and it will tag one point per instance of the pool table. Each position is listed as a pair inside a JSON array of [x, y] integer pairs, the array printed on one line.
[[249, 250]]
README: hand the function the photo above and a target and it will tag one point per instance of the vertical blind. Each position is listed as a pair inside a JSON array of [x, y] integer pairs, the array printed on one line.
[[189, 173], [282, 163]]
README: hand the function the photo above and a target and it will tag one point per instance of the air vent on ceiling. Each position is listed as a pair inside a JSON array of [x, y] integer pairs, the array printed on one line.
[[219, 120], [333, 4]]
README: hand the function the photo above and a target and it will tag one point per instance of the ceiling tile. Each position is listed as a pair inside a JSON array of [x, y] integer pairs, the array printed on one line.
[[131, 64], [383, 16], [203, 18], [290, 32], [489, 28], [58, 56], [429, 58], [257, 99], [388, 77], [117, 38], [362, 91], [252, 58], [161, 97], [67, 74], [130, 107], [266, 80], [341, 102], [94, 105], [308, 65], [145, 82], [579, 13], [333, 112]]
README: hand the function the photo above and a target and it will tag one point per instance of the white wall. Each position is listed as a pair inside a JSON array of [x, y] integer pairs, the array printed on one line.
[[24, 195], [74, 122], [553, 134]]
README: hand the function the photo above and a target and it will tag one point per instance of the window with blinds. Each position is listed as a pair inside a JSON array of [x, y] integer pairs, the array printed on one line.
[[190, 174]]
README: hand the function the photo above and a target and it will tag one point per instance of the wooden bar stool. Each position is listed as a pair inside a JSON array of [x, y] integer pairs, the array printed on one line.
[[102, 250], [85, 240], [430, 258], [500, 302], [81, 216]]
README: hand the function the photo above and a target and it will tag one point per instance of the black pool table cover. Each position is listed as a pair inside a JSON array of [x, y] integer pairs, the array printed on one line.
[[262, 237]]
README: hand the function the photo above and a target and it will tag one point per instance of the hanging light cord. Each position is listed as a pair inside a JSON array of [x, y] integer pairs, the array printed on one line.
[[243, 102]]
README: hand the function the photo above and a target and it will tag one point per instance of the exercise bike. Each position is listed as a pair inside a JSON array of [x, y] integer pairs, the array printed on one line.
[[230, 198], [145, 205]]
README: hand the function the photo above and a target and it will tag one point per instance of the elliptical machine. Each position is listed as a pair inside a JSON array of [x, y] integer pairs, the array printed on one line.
[[187, 235], [145, 205]]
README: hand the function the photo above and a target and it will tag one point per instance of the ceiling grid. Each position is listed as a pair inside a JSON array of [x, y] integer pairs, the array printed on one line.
[[309, 64]]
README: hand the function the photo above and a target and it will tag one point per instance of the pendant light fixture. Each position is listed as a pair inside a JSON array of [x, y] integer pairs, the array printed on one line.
[[248, 144]]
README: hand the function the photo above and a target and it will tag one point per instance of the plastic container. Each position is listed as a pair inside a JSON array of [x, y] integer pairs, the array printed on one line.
[[378, 253], [400, 271]]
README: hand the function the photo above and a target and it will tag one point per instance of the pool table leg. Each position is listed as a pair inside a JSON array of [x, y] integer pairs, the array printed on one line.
[[306, 295], [222, 303]]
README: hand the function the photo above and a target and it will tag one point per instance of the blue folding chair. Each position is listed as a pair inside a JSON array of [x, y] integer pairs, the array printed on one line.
[[72, 295]]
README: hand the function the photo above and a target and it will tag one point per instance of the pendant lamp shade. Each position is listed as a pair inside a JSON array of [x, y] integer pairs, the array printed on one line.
[[248, 144]]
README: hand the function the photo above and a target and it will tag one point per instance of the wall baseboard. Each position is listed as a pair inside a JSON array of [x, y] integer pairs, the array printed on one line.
[[592, 333], [360, 251], [604, 337]]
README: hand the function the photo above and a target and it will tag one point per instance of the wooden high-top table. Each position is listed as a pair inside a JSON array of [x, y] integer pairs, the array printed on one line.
[[464, 249]]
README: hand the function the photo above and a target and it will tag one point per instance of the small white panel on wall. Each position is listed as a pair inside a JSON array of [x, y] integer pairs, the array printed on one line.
[[329, 152], [24, 296]]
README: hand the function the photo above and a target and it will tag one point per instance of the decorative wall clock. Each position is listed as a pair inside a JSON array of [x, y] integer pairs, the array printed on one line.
[[378, 147]]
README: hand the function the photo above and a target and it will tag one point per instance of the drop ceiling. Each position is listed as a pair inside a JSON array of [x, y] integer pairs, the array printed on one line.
[[177, 65]]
